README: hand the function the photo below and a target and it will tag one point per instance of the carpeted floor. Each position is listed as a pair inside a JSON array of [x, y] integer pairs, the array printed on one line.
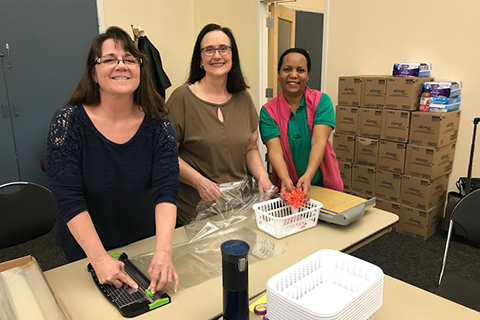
[[43, 248], [401, 256], [419, 262]]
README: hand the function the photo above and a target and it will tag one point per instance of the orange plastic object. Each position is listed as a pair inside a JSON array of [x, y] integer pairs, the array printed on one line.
[[295, 198]]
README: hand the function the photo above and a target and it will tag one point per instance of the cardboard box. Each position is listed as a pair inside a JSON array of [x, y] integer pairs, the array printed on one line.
[[370, 123], [346, 174], [350, 91], [433, 129], [391, 156], [417, 231], [48, 296], [388, 185], [361, 195], [374, 91], [366, 151], [392, 207], [422, 217], [423, 193], [346, 120], [344, 147], [363, 180], [389, 206], [404, 93], [427, 162], [395, 125]]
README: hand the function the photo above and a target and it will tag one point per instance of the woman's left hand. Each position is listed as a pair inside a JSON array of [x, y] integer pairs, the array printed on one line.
[[266, 188], [162, 272], [304, 184]]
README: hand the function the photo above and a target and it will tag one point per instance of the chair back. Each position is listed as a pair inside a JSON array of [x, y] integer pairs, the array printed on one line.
[[467, 216], [27, 211]]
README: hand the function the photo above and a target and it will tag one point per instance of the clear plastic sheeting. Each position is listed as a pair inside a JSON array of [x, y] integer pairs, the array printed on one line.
[[232, 208], [201, 260], [24, 294], [6, 308]]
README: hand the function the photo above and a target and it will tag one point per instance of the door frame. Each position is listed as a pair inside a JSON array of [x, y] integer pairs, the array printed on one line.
[[101, 17], [277, 12], [262, 66], [262, 56]]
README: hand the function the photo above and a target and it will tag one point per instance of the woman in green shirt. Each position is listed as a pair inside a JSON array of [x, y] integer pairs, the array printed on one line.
[[305, 116]]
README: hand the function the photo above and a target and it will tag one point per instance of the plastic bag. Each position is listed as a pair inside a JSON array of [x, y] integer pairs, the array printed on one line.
[[462, 185], [232, 208], [201, 261]]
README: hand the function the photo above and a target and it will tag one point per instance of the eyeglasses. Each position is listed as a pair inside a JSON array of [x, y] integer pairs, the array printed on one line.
[[210, 51], [111, 61]]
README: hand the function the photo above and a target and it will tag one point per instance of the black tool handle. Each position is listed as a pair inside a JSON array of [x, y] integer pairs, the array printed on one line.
[[472, 150]]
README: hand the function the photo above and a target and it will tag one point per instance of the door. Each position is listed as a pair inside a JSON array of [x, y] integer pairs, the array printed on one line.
[[48, 44], [8, 157], [290, 29], [281, 36]]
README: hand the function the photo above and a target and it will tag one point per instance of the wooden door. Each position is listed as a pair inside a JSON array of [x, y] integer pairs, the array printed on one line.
[[281, 36]]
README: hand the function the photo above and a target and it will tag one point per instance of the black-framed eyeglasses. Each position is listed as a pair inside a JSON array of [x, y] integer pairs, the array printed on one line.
[[112, 61], [210, 51]]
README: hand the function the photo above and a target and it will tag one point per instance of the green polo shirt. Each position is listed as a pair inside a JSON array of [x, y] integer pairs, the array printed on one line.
[[299, 138]]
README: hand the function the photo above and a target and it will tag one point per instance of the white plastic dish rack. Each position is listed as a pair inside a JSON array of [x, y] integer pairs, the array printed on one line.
[[326, 285], [280, 220]]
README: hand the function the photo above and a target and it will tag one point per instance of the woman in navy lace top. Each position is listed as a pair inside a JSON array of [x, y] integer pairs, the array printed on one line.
[[112, 163]]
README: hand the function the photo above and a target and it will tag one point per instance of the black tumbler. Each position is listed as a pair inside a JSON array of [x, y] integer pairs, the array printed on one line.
[[235, 279]]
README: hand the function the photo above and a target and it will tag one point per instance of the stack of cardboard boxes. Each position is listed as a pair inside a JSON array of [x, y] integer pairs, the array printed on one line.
[[389, 150]]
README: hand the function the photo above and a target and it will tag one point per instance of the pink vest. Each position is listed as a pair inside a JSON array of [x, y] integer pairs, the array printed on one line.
[[280, 111]]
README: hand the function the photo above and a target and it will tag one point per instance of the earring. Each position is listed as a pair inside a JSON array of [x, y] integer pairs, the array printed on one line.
[[201, 67]]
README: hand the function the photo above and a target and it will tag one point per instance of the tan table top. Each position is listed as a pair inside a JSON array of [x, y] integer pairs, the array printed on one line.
[[402, 301], [73, 283]]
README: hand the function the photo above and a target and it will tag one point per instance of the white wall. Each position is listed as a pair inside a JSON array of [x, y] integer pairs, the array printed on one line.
[[369, 36], [169, 26], [172, 26]]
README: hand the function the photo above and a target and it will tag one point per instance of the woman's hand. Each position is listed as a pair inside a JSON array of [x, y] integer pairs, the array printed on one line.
[[304, 184], [110, 270], [265, 188], [162, 272], [207, 189], [287, 184]]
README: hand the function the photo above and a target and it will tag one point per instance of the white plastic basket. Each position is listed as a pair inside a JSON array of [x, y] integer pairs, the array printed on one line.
[[281, 220], [326, 285]]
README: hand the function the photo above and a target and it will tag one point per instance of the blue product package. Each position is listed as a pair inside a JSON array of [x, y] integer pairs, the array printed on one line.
[[447, 89], [444, 107], [412, 69], [444, 101]]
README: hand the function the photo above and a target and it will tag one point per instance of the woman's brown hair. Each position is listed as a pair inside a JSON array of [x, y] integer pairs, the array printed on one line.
[[145, 96]]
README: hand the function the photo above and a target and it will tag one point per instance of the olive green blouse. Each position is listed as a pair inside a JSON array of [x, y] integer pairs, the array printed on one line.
[[214, 148]]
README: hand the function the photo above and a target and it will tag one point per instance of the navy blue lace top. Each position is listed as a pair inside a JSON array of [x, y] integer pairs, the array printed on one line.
[[118, 184]]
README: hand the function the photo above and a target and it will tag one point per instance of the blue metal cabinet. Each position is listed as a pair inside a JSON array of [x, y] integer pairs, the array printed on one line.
[[43, 46]]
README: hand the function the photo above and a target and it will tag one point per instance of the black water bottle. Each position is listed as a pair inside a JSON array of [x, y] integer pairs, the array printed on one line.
[[235, 279]]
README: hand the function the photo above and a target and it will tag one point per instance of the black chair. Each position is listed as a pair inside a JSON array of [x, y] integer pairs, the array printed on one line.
[[466, 215], [27, 211]]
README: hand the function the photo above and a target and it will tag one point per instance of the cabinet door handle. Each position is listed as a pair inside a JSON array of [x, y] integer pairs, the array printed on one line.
[[15, 108], [4, 114], [7, 47]]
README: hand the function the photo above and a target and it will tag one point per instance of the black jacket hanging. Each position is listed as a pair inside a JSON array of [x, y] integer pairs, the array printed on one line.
[[159, 77]]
